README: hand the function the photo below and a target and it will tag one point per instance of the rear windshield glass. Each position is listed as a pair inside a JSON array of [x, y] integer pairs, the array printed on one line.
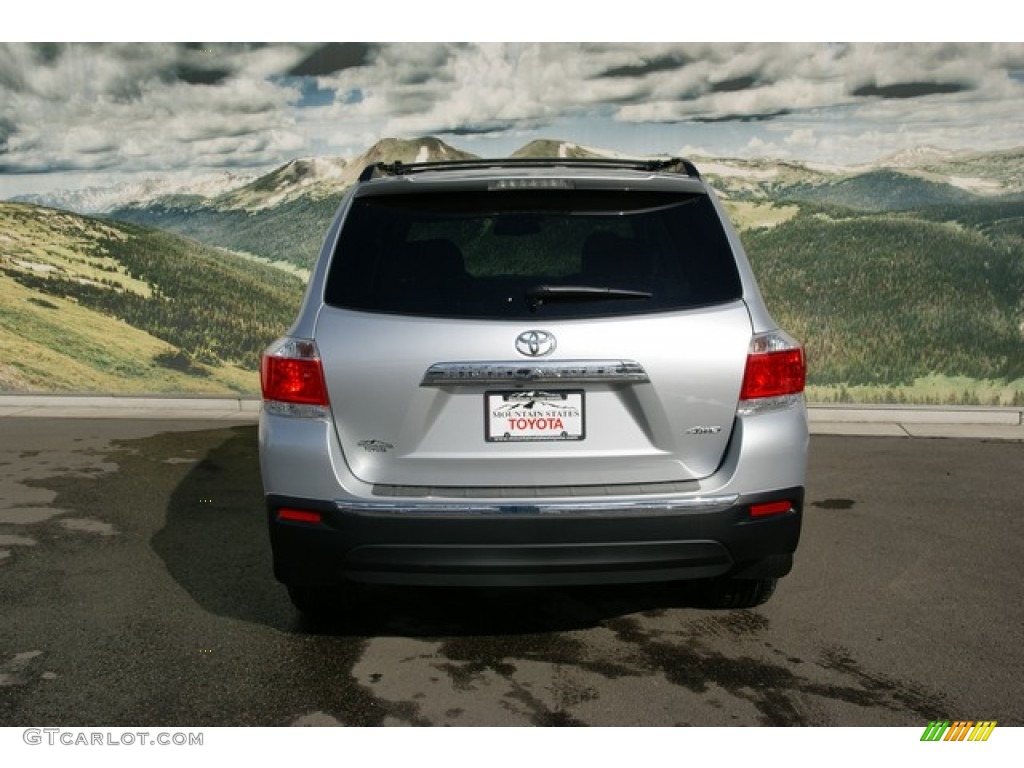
[[517, 254]]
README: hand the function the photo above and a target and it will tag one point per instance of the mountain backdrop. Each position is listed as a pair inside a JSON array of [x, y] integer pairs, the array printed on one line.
[[904, 279]]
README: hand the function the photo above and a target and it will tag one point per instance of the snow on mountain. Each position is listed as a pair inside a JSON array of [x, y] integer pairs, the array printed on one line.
[[976, 185], [423, 150], [103, 199], [323, 176], [996, 172], [916, 157], [563, 149], [315, 176], [727, 169]]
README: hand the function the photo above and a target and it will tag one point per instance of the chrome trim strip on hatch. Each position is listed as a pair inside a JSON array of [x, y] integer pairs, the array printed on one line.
[[696, 504], [536, 372]]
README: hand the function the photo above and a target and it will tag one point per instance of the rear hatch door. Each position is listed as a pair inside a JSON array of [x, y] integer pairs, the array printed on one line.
[[453, 403]]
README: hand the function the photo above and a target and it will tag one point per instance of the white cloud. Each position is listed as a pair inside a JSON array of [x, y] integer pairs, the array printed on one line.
[[161, 106], [141, 106], [801, 138]]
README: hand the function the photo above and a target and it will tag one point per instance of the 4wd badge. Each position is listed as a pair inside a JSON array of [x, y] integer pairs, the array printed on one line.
[[375, 446], [702, 430]]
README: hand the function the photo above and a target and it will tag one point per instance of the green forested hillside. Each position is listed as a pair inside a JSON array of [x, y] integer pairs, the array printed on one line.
[[291, 231], [881, 190], [175, 315], [886, 299], [1000, 220]]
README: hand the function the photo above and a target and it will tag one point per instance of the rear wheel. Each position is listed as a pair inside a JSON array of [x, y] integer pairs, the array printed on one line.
[[739, 593], [316, 602]]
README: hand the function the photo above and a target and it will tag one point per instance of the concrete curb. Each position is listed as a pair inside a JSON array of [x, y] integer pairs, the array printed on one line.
[[917, 421], [244, 409], [923, 414], [854, 420]]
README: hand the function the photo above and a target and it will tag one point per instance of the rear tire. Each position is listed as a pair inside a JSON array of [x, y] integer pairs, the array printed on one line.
[[316, 602], [739, 593]]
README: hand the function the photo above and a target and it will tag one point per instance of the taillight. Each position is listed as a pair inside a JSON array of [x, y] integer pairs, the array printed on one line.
[[775, 373], [292, 378]]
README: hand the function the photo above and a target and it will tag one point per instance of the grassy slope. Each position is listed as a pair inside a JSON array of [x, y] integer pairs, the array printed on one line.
[[746, 214], [90, 305], [53, 344]]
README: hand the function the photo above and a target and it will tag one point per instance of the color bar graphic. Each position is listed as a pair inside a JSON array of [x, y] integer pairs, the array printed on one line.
[[958, 730]]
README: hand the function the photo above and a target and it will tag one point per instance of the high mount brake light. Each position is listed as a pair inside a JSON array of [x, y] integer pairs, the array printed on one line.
[[291, 373], [530, 183]]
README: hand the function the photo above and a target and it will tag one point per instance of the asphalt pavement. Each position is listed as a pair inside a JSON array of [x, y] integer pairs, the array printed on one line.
[[135, 589]]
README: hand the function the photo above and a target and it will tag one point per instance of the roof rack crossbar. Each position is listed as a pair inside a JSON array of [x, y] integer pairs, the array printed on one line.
[[398, 168]]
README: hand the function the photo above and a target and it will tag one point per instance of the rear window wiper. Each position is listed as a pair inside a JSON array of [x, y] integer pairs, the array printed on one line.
[[549, 293]]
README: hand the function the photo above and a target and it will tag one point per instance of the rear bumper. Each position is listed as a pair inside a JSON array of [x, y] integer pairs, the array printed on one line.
[[533, 544]]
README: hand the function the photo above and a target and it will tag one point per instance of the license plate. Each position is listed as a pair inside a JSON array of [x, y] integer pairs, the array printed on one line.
[[534, 416]]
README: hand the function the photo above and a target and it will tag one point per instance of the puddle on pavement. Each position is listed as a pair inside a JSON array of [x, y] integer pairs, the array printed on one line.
[[834, 504]]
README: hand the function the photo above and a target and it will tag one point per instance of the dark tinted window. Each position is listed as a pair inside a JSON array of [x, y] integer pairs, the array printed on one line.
[[531, 253]]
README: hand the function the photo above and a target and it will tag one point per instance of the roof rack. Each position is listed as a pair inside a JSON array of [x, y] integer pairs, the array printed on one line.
[[398, 168]]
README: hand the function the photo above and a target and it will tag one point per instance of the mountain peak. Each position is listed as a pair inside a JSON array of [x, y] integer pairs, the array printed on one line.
[[323, 176], [301, 172], [915, 157], [422, 150], [561, 149]]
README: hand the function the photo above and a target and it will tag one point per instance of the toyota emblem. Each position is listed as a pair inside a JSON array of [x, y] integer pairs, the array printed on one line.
[[535, 343]]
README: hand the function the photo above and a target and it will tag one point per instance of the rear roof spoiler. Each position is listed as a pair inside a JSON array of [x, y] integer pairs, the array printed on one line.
[[663, 165]]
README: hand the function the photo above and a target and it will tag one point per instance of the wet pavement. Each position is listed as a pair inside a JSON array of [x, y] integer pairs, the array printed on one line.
[[135, 589]]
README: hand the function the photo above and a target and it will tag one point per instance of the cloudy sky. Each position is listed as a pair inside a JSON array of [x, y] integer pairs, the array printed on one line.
[[73, 114]]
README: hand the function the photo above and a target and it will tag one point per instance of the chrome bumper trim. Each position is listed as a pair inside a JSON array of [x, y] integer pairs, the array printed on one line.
[[646, 507]]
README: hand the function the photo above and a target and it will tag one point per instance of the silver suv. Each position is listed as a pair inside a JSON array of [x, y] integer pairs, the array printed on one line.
[[533, 372]]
